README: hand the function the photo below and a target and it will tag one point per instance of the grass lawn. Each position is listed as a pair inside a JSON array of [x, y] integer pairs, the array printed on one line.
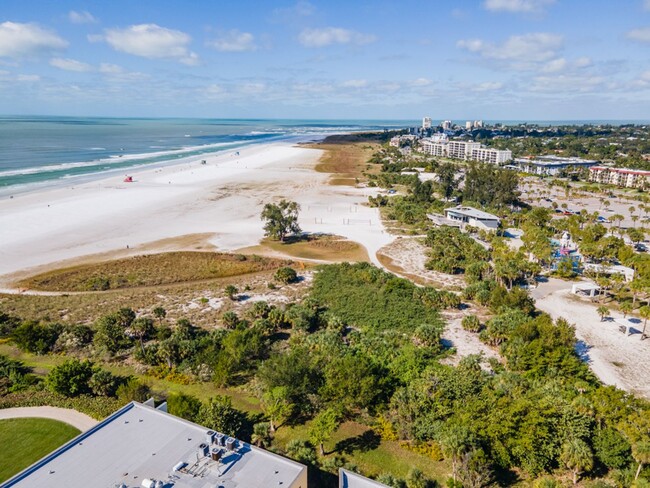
[[25, 441], [373, 456]]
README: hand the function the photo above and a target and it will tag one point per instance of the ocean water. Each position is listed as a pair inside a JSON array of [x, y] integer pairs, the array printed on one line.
[[40, 151]]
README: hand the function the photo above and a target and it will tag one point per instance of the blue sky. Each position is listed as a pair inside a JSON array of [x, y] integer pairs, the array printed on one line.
[[481, 59]]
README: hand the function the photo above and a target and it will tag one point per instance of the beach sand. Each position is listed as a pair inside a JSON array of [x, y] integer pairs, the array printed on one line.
[[221, 200]]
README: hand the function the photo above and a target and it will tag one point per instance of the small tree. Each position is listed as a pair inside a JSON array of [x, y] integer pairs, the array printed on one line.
[[231, 292], [322, 428], [603, 312], [277, 405], [625, 308], [261, 436], [577, 456], [70, 378], [641, 454], [281, 219], [286, 275], [645, 315], [160, 313], [219, 414], [185, 406]]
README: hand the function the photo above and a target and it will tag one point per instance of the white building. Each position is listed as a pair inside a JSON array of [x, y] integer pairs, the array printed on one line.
[[143, 447], [629, 178], [446, 124], [426, 123], [464, 150], [468, 216], [461, 149], [394, 141], [468, 125], [551, 165], [348, 479], [491, 155]]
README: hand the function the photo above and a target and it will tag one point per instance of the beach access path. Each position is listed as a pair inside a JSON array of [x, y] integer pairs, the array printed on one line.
[[78, 420], [614, 357], [222, 199]]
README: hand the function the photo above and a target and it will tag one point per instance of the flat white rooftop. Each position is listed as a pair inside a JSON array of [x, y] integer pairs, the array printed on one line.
[[139, 443], [472, 212], [348, 479]]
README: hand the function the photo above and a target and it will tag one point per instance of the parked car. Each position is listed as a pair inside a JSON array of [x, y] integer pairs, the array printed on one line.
[[603, 220]]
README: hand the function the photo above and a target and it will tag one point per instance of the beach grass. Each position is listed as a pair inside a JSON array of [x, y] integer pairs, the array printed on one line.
[[314, 247], [26, 440], [345, 161], [149, 270]]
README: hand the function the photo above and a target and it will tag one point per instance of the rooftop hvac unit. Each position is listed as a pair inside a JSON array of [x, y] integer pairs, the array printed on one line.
[[160, 484], [179, 466], [147, 483], [215, 454], [203, 449], [209, 436], [220, 438], [230, 443]]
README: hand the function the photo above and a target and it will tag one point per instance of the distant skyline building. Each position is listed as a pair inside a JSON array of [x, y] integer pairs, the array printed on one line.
[[468, 125], [446, 124], [426, 123]]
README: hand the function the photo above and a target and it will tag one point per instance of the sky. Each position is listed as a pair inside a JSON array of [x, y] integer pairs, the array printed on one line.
[[375, 59]]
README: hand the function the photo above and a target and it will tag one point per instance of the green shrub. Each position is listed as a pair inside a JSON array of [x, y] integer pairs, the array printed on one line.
[[286, 275]]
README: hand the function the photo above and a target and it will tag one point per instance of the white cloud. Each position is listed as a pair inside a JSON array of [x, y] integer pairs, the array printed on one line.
[[333, 35], [70, 65], [555, 65], [151, 41], [487, 86], [28, 78], [355, 83], [583, 62], [252, 88], [83, 17], [642, 34], [421, 82], [234, 41], [517, 6], [110, 69], [24, 40], [520, 52]]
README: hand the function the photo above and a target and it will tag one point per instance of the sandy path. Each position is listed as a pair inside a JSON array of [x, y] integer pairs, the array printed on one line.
[[78, 420], [466, 343], [617, 359], [222, 199]]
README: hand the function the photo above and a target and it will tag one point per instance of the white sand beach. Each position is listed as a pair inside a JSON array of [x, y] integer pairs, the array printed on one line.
[[221, 199]]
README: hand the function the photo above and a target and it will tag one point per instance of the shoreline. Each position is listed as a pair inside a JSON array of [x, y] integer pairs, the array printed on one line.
[[221, 200]]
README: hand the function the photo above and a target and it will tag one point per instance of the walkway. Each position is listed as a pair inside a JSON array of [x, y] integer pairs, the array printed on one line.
[[77, 419]]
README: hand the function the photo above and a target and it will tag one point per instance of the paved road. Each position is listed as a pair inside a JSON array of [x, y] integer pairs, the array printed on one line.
[[77, 419]]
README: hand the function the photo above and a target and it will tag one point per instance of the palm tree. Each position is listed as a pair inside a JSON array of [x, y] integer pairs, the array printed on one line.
[[577, 456], [160, 313], [634, 219], [261, 436], [641, 454], [625, 308], [140, 328], [645, 315], [603, 311]]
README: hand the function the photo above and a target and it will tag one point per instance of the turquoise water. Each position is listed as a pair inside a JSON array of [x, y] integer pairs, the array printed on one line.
[[35, 151]]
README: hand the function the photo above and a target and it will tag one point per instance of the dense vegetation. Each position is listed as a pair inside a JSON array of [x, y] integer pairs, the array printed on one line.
[[365, 346]]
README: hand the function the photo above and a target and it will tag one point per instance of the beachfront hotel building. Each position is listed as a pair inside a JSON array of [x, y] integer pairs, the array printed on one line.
[[629, 178], [426, 123], [140, 446], [468, 151], [551, 165]]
